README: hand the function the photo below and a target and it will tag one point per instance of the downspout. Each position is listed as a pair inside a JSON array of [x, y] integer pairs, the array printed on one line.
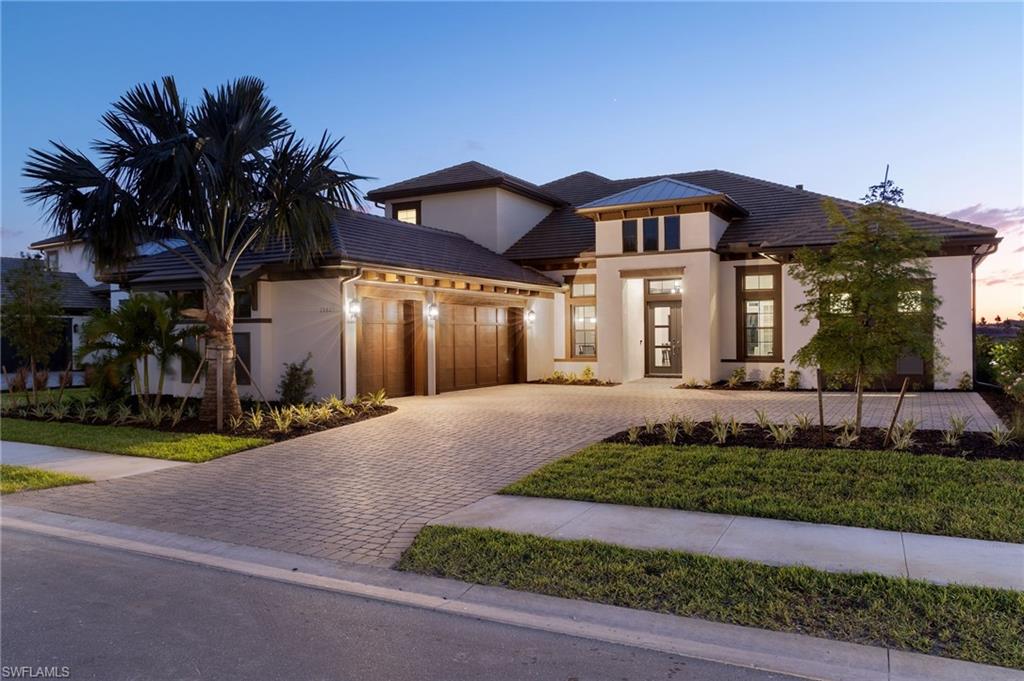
[[974, 318], [344, 323]]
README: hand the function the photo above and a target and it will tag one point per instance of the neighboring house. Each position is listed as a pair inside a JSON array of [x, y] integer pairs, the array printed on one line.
[[476, 277], [78, 298]]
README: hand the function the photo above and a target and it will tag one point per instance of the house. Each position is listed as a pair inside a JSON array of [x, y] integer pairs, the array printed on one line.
[[474, 277], [80, 294]]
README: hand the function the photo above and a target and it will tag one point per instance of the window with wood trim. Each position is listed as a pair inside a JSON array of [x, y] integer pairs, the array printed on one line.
[[410, 212], [759, 313], [650, 234], [582, 317], [629, 236]]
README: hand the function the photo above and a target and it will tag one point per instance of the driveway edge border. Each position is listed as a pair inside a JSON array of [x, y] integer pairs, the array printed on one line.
[[795, 654]]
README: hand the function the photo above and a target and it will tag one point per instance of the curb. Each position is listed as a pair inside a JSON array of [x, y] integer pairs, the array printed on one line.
[[785, 653]]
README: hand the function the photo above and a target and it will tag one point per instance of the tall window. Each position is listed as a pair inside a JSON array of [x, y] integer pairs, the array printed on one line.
[[243, 304], [406, 212], [672, 233], [759, 303], [650, 234], [53, 260], [582, 304], [243, 350], [629, 236]]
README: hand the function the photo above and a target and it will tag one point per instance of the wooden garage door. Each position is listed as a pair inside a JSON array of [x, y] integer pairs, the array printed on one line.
[[474, 347], [385, 347]]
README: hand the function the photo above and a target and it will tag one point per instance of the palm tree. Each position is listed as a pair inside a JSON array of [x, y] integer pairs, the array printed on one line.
[[224, 176]]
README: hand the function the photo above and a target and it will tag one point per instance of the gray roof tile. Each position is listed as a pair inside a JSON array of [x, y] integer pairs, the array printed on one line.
[[75, 294], [468, 175]]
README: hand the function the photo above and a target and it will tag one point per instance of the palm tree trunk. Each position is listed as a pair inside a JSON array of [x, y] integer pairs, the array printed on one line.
[[220, 312], [35, 395], [860, 399]]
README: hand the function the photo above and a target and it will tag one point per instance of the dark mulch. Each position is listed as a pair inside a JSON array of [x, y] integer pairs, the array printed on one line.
[[578, 381], [194, 425], [972, 445], [1002, 404]]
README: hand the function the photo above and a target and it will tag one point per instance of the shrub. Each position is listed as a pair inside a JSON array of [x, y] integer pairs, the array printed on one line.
[[587, 375], [671, 432], [776, 378], [735, 427], [255, 417], [282, 419], [303, 415], [1008, 365], [804, 421], [633, 435], [737, 377], [688, 425], [650, 425], [966, 383], [1001, 437], [41, 379], [761, 416], [846, 438], [296, 382], [782, 433], [902, 435], [101, 413], [720, 431], [376, 399], [235, 422], [793, 380], [19, 382]]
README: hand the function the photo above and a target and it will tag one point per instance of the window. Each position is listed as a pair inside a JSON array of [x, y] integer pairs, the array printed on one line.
[[243, 304], [53, 260], [584, 289], [188, 364], [910, 301], [759, 303], [243, 350], [406, 212], [650, 234], [584, 330], [672, 233], [657, 287], [629, 236]]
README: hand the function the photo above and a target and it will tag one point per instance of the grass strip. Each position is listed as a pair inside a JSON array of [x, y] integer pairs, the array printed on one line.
[[129, 440], [968, 623], [980, 499], [20, 478]]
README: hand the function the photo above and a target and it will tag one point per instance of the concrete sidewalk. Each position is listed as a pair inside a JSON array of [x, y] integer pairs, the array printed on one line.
[[781, 652], [93, 465], [941, 560]]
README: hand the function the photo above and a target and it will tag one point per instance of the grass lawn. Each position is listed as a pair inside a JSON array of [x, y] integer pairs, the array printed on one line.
[[970, 623], [19, 478], [128, 440], [981, 499], [9, 400]]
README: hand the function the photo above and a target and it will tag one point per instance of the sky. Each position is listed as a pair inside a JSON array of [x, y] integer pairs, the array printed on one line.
[[820, 94]]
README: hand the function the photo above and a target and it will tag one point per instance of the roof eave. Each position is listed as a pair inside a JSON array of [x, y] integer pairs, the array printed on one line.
[[380, 195], [720, 199]]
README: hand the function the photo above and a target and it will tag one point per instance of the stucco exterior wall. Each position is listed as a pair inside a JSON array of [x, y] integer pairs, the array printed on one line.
[[540, 335], [492, 217], [72, 258], [955, 341], [307, 318]]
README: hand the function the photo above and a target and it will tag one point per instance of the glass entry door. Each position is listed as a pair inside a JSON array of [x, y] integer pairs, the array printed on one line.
[[664, 338]]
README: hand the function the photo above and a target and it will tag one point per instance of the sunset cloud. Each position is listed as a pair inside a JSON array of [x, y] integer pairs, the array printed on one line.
[[1001, 275]]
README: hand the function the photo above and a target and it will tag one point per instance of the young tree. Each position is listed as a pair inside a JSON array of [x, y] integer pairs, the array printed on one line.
[[31, 314], [870, 293], [223, 176]]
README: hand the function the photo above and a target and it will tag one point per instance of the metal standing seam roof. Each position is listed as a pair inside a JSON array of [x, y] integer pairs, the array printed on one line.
[[367, 239], [662, 189]]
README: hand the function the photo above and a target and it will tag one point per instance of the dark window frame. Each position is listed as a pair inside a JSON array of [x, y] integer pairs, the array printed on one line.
[[677, 230], [571, 304], [408, 205], [651, 222], [630, 238], [742, 296]]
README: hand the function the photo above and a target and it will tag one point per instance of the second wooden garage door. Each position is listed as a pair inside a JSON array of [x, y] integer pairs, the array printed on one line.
[[474, 347]]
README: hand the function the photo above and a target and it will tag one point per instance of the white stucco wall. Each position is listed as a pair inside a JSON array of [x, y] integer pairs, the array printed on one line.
[[633, 329], [540, 339], [954, 342], [72, 258], [307, 317], [492, 217]]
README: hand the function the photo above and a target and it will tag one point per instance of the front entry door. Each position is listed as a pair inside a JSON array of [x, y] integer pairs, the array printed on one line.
[[664, 339]]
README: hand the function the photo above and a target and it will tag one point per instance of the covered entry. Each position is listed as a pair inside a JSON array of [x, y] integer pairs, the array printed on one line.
[[478, 346], [390, 347]]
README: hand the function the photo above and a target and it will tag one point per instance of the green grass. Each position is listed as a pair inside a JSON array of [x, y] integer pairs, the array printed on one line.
[[884, 490], [128, 440], [9, 400], [20, 478], [970, 623]]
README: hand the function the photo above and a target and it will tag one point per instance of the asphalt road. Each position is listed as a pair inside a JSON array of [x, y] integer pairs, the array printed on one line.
[[112, 615]]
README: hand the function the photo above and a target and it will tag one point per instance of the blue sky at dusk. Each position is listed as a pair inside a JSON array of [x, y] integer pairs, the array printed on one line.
[[819, 94]]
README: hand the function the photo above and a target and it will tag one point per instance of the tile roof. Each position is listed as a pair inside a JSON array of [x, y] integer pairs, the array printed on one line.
[[780, 216], [75, 294], [49, 241], [367, 240], [662, 189], [468, 175]]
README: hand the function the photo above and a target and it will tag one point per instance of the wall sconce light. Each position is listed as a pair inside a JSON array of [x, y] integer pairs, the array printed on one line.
[[75, 328], [354, 308], [530, 316], [433, 311]]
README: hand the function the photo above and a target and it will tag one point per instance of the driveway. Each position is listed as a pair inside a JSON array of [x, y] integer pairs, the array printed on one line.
[[362, 492]]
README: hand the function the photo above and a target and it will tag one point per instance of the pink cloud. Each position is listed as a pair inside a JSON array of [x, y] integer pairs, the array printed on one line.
[[1000, 275]]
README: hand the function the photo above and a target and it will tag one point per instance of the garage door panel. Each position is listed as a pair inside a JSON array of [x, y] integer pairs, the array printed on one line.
[[474, 341], [384, 347]]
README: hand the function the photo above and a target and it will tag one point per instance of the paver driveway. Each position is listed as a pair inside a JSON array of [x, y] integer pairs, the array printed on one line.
[[360, 493]]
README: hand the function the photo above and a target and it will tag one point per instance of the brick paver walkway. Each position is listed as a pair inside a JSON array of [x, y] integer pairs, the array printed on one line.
[[361, 492]]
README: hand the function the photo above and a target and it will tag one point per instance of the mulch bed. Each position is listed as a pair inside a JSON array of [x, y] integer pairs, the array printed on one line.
[[972, 445], [194, 425], [1002, 404], [592, 381]]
